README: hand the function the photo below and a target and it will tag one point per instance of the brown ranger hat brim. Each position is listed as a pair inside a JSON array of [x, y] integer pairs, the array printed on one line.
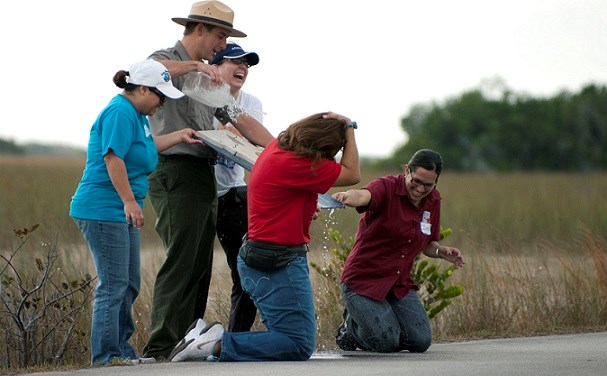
[[214, 13]]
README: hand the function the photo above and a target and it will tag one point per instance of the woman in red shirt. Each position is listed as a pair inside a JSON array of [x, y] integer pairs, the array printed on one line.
[[401, 219], [283, 191]]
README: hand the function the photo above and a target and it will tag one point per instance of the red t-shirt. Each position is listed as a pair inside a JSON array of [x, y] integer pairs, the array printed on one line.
[[283, 194], [391, 233]]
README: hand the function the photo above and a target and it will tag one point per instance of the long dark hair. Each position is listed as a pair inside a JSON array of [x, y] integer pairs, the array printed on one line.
[[314, 137]]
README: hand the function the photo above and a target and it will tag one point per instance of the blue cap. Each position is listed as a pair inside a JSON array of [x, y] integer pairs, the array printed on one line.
[[234, 51]]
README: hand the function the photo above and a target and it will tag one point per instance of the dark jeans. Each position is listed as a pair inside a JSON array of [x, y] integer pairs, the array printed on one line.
[[387, 325], [231, 227]]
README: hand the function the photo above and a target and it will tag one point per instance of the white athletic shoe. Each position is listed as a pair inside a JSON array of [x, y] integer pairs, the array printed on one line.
[[192, 333], [143, 360], [194, 330], [198, 348]]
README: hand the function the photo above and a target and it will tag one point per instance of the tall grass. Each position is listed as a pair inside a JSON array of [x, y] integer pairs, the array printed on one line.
[[536, 260], [521, 294]]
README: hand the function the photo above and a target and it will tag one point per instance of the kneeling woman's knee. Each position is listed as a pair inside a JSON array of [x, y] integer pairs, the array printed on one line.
[[420, 344], [383, 342], [304, 346], [305, 349], [305, 353]]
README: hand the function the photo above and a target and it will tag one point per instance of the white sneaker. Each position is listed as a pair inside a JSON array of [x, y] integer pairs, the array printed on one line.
[[143, 360], [194, 330], [192, 333], [198, 348]]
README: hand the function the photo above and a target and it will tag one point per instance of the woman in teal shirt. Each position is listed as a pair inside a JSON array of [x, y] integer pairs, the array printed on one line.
[[108, 204]]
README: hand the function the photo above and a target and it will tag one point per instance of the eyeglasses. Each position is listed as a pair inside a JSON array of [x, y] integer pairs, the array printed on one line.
[[162, 97], [239, 61], [416, 182]]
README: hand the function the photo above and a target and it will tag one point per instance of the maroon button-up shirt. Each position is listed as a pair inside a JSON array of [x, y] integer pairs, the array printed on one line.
[[391, 233]]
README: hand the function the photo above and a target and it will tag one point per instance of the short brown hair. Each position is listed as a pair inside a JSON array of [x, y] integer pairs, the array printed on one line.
[[190, 27]]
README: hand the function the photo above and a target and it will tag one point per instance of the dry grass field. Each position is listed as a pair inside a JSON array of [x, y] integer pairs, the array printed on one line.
[[534, 243]]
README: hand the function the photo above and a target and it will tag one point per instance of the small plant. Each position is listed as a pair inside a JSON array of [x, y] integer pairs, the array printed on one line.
[[40, 309], [434, 293]]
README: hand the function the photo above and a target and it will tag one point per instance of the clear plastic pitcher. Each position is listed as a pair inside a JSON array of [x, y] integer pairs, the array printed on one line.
[[198, 85]]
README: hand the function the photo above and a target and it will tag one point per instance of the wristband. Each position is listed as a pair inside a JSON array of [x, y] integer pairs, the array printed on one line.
[[350, 124]]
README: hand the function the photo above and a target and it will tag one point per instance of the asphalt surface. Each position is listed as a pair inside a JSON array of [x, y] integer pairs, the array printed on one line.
[[570, 355]]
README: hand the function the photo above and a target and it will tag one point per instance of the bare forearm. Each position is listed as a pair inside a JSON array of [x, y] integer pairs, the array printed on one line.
[[451, 254], [349, 161], [353, 197], [119, 177], [120, 180], [165, 141], [253, 130], [432, 250], [179, 68]]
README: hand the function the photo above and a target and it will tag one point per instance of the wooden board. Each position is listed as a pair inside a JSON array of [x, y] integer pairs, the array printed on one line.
[[241, 151]]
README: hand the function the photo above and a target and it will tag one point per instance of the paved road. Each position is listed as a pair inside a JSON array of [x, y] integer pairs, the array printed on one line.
[[567, 355]]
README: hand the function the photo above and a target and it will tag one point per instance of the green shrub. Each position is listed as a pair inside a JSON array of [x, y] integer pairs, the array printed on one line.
[[41, 309]]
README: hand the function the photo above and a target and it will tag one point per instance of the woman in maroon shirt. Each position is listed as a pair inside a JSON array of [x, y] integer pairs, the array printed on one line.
[[400, 219]]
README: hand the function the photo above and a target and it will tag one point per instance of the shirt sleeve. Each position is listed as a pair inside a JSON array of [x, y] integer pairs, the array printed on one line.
[[116, 134], [378, 190], [255, 109]]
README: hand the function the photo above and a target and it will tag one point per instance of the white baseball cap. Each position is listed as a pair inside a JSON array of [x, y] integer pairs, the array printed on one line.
[[153, 74]]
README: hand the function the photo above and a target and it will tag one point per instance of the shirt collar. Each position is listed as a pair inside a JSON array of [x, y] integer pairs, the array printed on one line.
[[181, 52]]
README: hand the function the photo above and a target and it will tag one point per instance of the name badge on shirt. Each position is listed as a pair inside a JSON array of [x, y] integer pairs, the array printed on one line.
[[425, 225]]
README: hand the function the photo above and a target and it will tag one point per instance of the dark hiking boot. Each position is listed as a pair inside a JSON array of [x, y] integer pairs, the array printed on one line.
[[342, 338]]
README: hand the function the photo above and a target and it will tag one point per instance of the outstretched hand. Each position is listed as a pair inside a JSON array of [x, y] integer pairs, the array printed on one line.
[[353, 197], [452, 255], [343, 197]]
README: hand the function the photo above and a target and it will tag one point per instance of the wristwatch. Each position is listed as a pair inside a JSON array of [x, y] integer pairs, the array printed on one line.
[[351, 124], [223, 116]]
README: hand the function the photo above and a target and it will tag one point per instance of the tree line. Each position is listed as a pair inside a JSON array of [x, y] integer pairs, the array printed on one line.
[[10, 147], [483, 131], [487, 130]]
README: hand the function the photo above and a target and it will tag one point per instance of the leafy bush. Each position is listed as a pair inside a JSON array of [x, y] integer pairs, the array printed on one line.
[[40, 309]]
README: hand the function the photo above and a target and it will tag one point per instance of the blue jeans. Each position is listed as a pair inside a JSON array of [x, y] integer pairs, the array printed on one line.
[[387, 325], [286, 305], [115, 250]]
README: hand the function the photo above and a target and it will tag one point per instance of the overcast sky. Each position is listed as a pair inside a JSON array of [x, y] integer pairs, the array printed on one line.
[[369, 60]]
